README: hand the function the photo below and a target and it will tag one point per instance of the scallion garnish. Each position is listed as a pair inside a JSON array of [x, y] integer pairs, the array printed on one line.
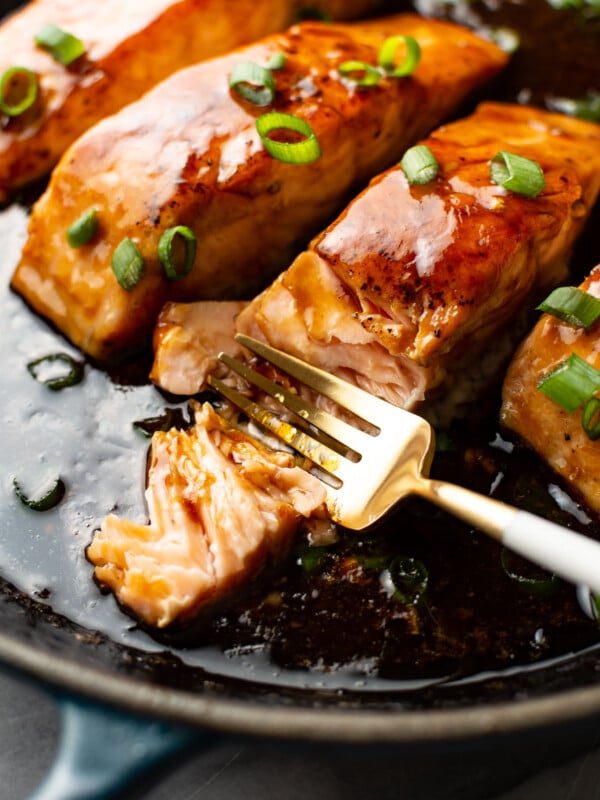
[[48, 495], [360, 73], [526, 575], [387, 56], [590, 418], [572, 383], [167, 257], [410, 578], [583, 107], [419, 164], [518, 174], [83, 229], [572, 305], [56, 371], [253, 82], [127, 264], [18, 91], [62, 46], [311, 558], [277, 61], [302, 152]]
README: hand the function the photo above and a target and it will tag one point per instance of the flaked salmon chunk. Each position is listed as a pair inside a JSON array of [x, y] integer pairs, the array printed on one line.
[[221, 508], [556, 435]]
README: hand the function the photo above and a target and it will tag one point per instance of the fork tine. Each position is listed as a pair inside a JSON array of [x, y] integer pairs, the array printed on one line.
[[321, 455], [345, 434], [364, 405]]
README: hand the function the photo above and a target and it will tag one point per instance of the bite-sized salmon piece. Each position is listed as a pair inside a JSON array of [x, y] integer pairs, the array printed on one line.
[[188, 153], [222, 507], [555, 434], [410, 292], [129, 48]]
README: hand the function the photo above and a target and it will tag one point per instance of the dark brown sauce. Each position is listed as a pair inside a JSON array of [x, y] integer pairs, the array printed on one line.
[[339, 614]]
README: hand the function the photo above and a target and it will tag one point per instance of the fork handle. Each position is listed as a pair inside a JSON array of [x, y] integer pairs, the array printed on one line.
[[568, 554]]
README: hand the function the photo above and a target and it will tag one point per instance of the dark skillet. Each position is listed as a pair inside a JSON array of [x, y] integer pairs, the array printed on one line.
[[318, 652]]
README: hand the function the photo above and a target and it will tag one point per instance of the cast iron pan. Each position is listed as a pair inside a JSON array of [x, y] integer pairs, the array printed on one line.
[[317, 652]]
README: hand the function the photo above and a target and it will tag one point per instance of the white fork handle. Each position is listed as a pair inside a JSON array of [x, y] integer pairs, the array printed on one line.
[[570, 555]]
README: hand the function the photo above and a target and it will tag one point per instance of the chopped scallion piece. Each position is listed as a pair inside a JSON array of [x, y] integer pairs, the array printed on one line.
[[302, 152], [584, 107], [419, 164], [572, 305], [167, 257], [360, 73], [277, 61], [572, 383], [528, 576], [48, 495], [387, 56], [18, 91], [127, 264], [590, 418], [56, 371], [83, 229], [62, 46], [253, 82], [410, 578], [311, 558], [506, 38], [518, 174]]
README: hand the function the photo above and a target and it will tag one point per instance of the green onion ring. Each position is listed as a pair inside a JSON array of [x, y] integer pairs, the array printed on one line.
[[419, 164], [165, 251], [127, 264], [71, 377], [410, 578], [16, 109], [62, 46], [571, 383], [277, 61], [83, 229], [360, 73], [253, 82], [387, 55], [572, 305], [48, 499], [590, 418], [515, 567], [517, 174], [291, 152]]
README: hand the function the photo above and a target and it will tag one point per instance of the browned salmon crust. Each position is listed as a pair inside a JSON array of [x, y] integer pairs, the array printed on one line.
[[411, 288], [221, 507], [129, 48], [188, 153], [556, 435]]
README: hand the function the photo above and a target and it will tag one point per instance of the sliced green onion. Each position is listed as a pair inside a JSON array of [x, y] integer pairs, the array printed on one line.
[[584, 108], [528, 576], [572, 383], [56, 371], [518, 174], [572, 305], [47, 495], [312, 558], [360, 73], [387, 56], [128, 264], [291, 152], [410, 578], [277, 61], [172, 418], [419, 164], [61, 45], [506, 38], [21, 83], [165, 251], [83, 229], [253, 82], [590, 418]]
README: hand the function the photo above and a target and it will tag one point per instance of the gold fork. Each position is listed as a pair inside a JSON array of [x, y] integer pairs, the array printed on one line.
[[368, 472]]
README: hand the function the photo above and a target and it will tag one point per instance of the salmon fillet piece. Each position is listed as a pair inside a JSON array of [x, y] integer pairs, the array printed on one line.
[[188, 153], [409, 292], [221, 507], [129, 48], [556, 435]]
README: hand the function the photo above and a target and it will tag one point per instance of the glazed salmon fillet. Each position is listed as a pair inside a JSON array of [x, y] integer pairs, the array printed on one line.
[[413, 291], [129, 48], [221, 506], [555, 434], [188, 153]]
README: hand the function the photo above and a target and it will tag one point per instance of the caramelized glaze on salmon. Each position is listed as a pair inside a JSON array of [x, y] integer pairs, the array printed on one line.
[[188, 153], [129, 48], [556, 435], [221, 506]]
